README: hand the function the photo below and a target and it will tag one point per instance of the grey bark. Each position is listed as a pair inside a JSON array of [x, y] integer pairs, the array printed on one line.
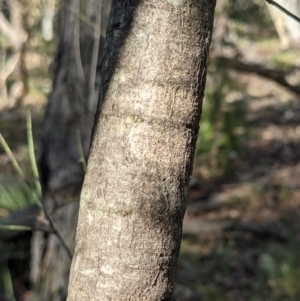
[[133, 198], [68, 122]]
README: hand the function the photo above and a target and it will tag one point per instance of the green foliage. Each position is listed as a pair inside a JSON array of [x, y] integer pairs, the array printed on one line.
[[250, 12], [212, 292], [15, 194], [6, 281], [222, 125], [271, 275], [285, 59], [19, 192], [280, 266]]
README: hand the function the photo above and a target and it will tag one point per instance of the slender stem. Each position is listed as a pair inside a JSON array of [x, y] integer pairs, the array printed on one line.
[[284, 10], [7, 282], [15, 228], [23, 228], [37, 182], [80, 149], [11, 156], [58, 235], [31, 153]]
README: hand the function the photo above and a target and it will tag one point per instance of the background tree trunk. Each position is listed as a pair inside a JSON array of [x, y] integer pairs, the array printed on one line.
[[68, 122], [133, 198]]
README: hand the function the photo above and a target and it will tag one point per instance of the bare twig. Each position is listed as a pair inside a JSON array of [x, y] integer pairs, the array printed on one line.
[[16, 20], [9, 66], [16, 36], [283, 10], [26, 219], [11, 157], [273, 74], [13, 31], [9, 32], [58, 235], [38, 184]]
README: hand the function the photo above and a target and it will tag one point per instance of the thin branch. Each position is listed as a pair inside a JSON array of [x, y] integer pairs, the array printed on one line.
[[37, 181], [32, 154], [28, 219], [275, 75], [15, 12], [13, 31], [283, 10], [9, 32], [9, 66], [58, 235], [15, 228], [54, 230], [11, 157], [9, 227]]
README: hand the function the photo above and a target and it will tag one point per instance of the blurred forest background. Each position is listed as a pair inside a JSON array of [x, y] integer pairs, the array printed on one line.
[[241, 233]]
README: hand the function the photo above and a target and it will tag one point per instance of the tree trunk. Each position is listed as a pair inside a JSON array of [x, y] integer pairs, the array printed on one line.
[[67, 129], [133, 198]]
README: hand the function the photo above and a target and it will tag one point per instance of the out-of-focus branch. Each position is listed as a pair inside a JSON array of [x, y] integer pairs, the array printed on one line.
[[9, 66], [13, 30], [278, 76], [5, 73], [16, 36], [15, 11], [9, 32]]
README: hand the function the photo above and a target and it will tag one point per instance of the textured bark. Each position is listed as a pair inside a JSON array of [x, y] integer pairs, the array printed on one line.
[[133, 198], [68, 123]]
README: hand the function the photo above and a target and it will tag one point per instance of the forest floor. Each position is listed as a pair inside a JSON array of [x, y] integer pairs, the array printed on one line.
[[241, 232]]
